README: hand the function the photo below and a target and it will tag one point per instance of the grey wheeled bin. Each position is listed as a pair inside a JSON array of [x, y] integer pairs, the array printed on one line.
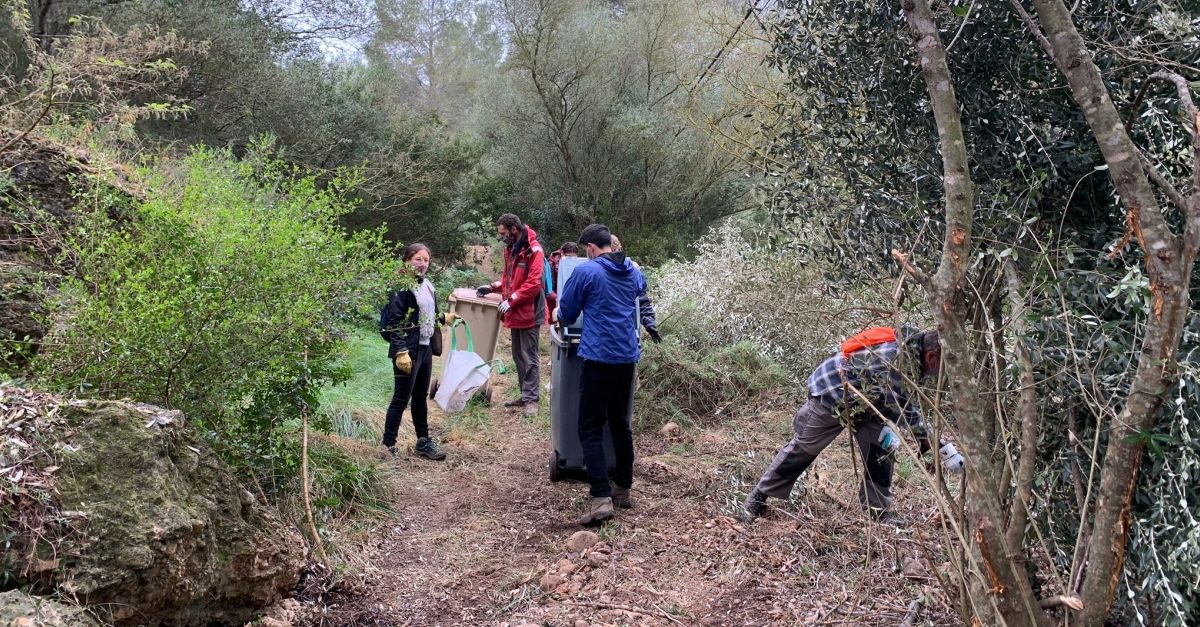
[[566, 458]]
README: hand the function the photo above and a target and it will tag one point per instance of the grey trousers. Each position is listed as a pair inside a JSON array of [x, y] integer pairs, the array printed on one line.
[[815, 426], [526, 359]]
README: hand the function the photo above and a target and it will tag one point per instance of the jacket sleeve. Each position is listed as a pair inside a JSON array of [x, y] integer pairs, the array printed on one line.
[[909, 412], [529, 289], [385, 329], [398, 321], [571, 301], [645, 306]]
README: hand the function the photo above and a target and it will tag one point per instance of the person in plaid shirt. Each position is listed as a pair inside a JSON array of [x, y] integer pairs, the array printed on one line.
[[858, 386]]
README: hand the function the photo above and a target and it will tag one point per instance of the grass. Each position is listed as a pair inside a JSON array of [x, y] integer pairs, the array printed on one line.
[[357, 406]]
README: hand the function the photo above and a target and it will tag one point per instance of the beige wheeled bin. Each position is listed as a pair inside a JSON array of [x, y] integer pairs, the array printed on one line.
[[481, 316]]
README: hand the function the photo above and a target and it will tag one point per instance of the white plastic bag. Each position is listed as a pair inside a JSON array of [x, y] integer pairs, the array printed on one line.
[[465, 372]]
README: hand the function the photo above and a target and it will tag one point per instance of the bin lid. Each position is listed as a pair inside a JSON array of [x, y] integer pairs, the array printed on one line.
[[467, 294]]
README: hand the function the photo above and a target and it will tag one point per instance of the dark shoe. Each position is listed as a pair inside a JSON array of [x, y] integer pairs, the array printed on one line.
[[755, 505], [621, 498], [388, 453], [599, 509], [428, 447], [516, 402], [530, 409], [886, 517]]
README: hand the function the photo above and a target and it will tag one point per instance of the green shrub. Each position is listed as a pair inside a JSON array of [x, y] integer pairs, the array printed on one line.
[[677, 383], [220, 295], [735, 290]]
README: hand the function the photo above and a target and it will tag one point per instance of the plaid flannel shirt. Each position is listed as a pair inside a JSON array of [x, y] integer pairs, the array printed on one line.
[[875, 374]]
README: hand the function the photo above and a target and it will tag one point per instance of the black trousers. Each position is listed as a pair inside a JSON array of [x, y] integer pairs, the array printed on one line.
[[415, 386], [604, 395]]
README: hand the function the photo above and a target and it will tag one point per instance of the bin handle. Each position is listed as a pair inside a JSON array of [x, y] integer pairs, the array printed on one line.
[[454, 336]]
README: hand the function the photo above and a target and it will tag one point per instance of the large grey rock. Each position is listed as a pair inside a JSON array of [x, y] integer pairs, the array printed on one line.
[[18, 609], [162, 531]]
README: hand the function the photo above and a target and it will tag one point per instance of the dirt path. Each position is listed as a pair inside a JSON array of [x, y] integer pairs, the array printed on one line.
[[473, 538], [482, 538]]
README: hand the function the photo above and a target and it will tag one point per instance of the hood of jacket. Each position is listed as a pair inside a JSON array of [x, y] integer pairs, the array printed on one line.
[[615, 264], [525, 240]]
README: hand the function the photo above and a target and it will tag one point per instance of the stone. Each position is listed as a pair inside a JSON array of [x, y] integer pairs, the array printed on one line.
[[163, 532], [579, 622], [566, 566], [580, 541], [597, 559], [550, 581], [670, 430], [567, 589], [915, 568], [18, 609]]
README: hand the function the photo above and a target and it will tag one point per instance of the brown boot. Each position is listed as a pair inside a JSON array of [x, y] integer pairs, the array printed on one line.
[[599, 509], [621, 498]]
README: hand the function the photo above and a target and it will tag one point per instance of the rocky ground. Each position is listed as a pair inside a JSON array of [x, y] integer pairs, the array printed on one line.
[[484, 538]]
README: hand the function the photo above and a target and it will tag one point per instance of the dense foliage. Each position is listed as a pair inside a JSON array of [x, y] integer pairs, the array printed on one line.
[[853, 156], [221, 294]]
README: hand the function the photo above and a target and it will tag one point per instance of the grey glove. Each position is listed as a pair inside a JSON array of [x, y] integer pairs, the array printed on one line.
[[504, 307]]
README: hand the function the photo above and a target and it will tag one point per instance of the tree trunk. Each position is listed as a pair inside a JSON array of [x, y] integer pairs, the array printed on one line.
[[1169, 260], [1002, 594]]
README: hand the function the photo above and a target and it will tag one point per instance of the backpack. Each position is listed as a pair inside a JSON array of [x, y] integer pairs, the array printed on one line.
[[867, 338], [547, 276]]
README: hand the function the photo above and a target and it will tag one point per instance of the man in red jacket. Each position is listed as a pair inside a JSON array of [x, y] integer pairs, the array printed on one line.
[[524, 306]]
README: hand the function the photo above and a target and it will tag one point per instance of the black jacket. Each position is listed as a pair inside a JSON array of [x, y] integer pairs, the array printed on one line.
[[399, 321]]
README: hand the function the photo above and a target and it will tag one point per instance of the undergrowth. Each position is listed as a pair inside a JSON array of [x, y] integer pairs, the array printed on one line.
[[700, 387]]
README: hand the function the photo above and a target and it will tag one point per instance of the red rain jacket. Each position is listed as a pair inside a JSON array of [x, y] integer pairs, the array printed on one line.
[[521, 282]]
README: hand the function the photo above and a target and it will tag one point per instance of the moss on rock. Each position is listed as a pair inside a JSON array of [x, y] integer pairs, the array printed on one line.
[[166, 534]]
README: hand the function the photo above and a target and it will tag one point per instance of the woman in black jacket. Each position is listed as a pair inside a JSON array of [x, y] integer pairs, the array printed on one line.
[[407, 322]]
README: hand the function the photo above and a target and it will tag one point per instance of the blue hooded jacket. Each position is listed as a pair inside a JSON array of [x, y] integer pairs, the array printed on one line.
[[607, 289]]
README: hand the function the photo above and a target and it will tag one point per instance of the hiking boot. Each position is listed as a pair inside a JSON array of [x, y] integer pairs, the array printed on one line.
[[388, 453], [755, 505], [599, 509], [530, 409], [428, 448], [621, 498], [516, 402]]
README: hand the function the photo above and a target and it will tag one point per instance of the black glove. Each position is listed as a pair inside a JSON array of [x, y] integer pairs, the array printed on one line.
[[654, 336], [483, 290]]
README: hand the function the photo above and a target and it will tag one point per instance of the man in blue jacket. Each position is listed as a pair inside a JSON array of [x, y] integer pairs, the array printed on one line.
[[607, 289]]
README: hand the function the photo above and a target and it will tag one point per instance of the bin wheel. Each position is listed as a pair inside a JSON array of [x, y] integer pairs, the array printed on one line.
[[433, 387], [555, 475]]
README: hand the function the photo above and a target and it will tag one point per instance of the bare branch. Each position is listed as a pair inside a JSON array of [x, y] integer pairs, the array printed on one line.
[[1192, 123], [1185, 94], [917, 274], [1062, 600], [1029, 416], [1170, 190], [1033, 28]]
